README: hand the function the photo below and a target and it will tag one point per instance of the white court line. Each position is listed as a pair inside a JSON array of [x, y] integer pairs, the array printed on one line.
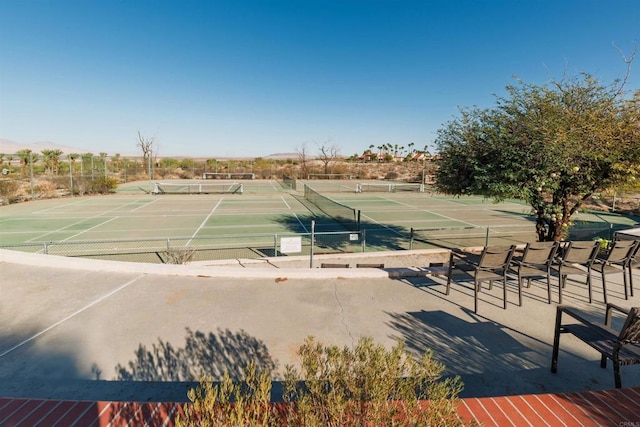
[[102, 298], [381, 224], [285, 202], [300, 222], [58, 206], [145, 205], [89, 229], [205, 221], [431, 212], [78, 222], [294, 214], [57, 230]]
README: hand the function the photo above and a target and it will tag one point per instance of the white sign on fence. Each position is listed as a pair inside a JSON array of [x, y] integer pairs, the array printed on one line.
[[290, 245]]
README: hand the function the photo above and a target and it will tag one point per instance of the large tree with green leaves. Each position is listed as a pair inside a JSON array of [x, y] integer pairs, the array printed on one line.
[[552, 145]]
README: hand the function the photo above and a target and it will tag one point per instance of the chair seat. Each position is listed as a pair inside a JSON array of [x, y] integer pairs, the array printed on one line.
[[608, 268], [531, 271], [603, 339], [573, 269], [483, 275]]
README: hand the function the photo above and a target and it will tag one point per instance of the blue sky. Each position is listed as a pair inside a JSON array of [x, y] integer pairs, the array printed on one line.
[[252, 78]]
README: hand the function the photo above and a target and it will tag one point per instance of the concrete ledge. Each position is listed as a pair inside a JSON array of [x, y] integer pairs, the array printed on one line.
[[407, 264]]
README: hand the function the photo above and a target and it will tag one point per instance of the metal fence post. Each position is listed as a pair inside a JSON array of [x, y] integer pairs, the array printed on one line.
[[275, 244], [313, 229], [411, 238], [46, 247], [486, 240], [168, 244], [363, 236]]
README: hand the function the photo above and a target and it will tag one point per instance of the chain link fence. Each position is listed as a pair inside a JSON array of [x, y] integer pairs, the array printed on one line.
[[254, 246]]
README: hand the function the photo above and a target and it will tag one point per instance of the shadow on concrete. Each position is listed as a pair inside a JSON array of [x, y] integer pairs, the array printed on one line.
[[483, 353], [203, 354], [209, 354], [162, 372], [494, 358]]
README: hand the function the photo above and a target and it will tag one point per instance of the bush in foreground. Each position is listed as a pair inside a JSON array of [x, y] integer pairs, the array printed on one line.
[[364, 386]]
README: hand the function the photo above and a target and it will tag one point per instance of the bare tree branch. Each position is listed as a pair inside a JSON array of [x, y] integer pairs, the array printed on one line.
[[328, 153], [627, 61], [146, 145]]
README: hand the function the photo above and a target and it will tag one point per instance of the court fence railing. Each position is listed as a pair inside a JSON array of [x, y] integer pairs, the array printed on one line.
[[255, 246]]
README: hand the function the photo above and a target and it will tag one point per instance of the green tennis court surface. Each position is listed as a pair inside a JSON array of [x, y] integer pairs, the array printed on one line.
[[249, 224]]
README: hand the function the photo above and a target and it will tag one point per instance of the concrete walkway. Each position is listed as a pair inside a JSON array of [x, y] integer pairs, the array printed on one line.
[[75, 329]]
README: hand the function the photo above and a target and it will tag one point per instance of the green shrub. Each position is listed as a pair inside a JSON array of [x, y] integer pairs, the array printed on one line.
[[9, 190], [104, 185], [364, 386], [229, 403], [179, 255], [391, 175]]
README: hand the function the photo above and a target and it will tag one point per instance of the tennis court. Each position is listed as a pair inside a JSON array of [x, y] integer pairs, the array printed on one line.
[[137, 224]]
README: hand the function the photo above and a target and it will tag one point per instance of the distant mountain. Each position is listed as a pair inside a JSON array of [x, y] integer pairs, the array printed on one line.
[[280, 156], [9, 147]]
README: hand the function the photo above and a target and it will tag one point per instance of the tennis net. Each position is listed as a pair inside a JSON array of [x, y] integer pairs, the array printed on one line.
[[198, 188], [389, 187], [289, 182], [343, 214]]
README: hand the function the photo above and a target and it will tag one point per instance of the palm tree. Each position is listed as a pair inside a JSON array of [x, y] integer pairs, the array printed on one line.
[[115, 159], [72, 161], [27, 157]]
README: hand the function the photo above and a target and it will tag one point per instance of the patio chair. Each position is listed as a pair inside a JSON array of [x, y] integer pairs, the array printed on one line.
[[536, 261], [622, 347], [490, 265], [619, 254], [577, 258]]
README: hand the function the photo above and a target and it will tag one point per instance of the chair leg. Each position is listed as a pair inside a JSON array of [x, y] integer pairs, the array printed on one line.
[[589, 287], [624, 278], [548, 288], [630, 279], [556, 341], [561, 281], [504, 293], [476, 290], [519, 293], [449, 278], [616, 374], [604, 285]]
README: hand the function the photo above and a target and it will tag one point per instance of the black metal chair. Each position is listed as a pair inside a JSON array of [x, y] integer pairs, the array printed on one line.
[[616, 260], [622, 347], [536, 261], [490, 265], [577, 258]]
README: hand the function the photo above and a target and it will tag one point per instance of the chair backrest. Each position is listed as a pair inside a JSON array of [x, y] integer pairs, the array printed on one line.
[[635, 254], [621, 251], [630, 332], [496, 257], [539, 252], [581, 252]]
